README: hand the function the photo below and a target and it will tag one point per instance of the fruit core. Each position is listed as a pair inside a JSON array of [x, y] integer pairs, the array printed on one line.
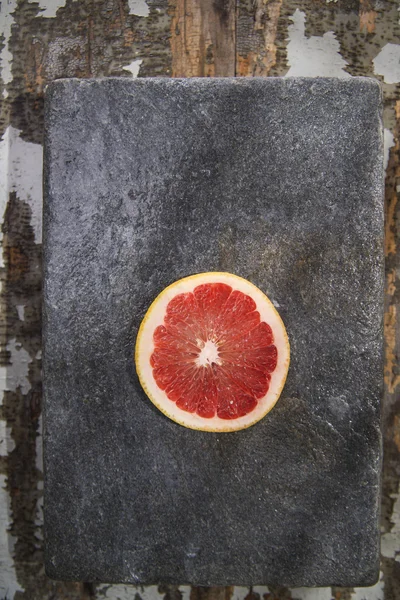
[[208, 353]]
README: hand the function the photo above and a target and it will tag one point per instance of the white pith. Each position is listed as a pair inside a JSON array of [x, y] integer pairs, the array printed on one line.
[[145, 347], [208, 354]]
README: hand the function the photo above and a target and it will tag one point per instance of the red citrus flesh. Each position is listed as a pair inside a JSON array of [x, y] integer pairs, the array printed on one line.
[[212, 352], [213, 355]]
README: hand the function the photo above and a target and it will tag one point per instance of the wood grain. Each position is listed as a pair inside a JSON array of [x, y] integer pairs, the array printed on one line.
[[203, 38], [257, 28]]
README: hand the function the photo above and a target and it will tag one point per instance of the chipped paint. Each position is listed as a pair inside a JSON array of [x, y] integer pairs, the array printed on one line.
[[260, 590], [138, 8], [390, 542], [7, 444], [21, 166], [49, 8], [15, 374], [239, 593], [127, 592], [4, 189], [25, 161], [133, 67], [21, 311], [374, 592], [324, 593], [315, 56], [387, 63], [388, 142], [9, 585], [6, 19], [19, 374]]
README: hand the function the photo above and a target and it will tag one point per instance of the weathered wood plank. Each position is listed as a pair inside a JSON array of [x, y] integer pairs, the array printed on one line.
[[102, 38], [203, 38], [257, 27]]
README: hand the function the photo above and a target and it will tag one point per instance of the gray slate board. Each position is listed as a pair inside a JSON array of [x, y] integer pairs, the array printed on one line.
[[279, 181]]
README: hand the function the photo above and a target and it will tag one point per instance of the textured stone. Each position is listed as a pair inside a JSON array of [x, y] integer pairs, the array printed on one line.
[[279, 181]]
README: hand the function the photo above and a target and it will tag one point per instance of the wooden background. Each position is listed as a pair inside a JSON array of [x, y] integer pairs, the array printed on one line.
[[49, 39]]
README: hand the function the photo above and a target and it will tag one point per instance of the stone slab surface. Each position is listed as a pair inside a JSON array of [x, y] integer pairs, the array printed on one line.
[[279, 181]]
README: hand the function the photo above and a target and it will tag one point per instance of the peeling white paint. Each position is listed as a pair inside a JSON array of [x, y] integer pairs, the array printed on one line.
[[21, 311], [7, 8], [239, 593], [127, 592], [186, 589], [304, 593], [4, 153], [375, 592], [390, 541], [138, 8], [4, 158], [115, 592], [7, 444], [388, 142], [8, 581], [314, 56], [134, 67], [15, 375], [387, 63], [260, 589], [25, 160], [49, 8], [20, 171]]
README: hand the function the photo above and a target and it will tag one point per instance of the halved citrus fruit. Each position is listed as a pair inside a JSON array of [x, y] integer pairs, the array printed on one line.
[[212, 352]]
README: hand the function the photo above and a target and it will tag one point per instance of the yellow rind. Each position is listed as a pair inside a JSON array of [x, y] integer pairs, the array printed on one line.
[[161, 407]]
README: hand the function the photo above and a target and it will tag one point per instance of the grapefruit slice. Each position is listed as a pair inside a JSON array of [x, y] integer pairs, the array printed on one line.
[[212, 352]]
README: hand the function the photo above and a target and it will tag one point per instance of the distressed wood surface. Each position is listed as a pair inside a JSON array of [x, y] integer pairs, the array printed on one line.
[[203, 38], [50, 39]]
